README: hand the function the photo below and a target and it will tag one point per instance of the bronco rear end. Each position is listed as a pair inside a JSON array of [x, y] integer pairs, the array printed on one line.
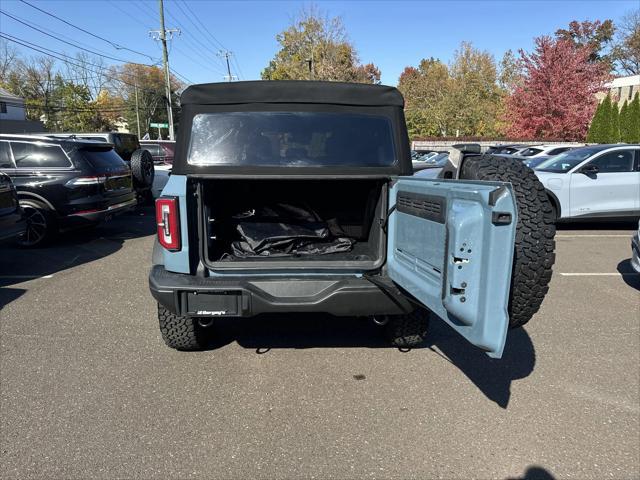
[[298, 197]]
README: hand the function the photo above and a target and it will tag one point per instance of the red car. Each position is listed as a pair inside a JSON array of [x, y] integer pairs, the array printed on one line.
[[161, 150]]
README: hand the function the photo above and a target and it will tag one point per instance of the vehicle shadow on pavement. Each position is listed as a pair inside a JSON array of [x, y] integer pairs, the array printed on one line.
[[70, 249], [628, 274], [299, 331], [535, 473], [493, 377]]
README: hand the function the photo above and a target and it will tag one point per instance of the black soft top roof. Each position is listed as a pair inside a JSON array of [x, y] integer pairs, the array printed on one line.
[[292, 91]]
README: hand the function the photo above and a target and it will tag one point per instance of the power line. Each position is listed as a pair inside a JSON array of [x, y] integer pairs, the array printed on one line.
[[113, 44], [216, 46], [127, 14], [59, 34], [72, 44], [239, 70], [220, 45], [216, 43], [195, 44], [60, 56], [86, 49]]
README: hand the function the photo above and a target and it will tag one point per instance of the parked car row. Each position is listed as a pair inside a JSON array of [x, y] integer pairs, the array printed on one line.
[[56, 182], [584, 182], [64, 183], [598, 181]]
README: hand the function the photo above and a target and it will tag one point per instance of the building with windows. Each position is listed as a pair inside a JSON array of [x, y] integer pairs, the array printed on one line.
[[13, 116], [623, 88], [11, 106]]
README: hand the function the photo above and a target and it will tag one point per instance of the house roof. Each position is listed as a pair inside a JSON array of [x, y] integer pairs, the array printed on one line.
[[624, 81], [5, 95]]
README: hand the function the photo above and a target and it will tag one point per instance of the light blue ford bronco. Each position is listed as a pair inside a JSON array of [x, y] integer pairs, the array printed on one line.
[[298, 197]]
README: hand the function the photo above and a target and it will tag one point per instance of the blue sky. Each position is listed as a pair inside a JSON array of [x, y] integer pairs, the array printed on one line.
[[390, 34]]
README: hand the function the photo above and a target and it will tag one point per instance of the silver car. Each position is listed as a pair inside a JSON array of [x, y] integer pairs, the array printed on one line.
[[600, 181]]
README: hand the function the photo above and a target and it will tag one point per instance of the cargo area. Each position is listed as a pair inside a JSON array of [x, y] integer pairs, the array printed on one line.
[[266, 223]]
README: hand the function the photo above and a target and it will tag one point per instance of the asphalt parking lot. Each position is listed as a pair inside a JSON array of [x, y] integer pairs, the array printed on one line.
[[88, 389]]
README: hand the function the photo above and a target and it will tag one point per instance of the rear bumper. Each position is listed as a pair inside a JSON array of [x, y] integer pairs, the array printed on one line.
[[635, 252], [194, 296], [99, 214]]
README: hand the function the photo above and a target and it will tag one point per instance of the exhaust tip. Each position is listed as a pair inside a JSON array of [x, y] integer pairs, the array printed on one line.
[[381, 320], [205, 322]]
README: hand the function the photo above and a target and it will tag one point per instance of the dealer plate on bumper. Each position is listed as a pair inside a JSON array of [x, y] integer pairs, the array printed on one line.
[[218, 304]]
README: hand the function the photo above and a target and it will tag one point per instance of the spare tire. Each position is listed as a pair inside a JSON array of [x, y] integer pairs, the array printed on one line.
[[535, 231], [142, 168]]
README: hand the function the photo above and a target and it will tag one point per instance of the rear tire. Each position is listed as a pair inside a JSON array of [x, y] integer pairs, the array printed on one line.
[[181, 333], [535, 231], [142, 168], [408, 331], [41, 224]]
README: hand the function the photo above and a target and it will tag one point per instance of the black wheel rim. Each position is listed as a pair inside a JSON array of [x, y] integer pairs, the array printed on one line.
[[147, 171], [36, 226]]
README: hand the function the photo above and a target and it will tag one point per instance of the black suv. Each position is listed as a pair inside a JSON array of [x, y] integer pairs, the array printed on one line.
[[128, 147], [12, 221], [65, 183]]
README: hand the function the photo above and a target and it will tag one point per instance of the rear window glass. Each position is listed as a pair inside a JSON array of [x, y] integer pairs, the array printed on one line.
[[39, 155], [102, 159], [296, 139]]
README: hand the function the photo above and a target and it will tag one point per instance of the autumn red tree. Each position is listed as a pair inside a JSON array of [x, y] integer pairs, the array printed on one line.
[[556, 99]]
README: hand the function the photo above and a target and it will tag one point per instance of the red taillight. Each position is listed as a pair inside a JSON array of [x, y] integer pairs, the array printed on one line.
[[168, 222]]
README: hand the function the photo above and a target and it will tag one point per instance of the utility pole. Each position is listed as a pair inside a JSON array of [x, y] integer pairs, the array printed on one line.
[[162, 36], [137, 111], [226, 54]]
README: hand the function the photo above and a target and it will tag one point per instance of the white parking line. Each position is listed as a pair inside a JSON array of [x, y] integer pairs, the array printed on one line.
[[589, 235], [597, 274], [23, 277]]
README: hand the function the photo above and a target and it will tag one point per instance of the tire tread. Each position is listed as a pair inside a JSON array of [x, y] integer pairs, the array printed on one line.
[[181, 333], [535, 231]]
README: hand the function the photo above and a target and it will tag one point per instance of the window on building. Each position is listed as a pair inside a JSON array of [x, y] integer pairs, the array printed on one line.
[[630, 96], [3, 107], [619, 92]]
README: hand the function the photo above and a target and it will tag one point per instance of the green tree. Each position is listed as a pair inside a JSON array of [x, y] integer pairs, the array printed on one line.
[[475, 94], [595, 133], [152, 103], [427, 93], [610, 122], [624, 122], [462, 98], [511, 73], [634, 119], [317, 47], [72, 106], [597, 35]]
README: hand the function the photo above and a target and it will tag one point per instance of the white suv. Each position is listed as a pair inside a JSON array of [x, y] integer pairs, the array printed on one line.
[[600, 181]]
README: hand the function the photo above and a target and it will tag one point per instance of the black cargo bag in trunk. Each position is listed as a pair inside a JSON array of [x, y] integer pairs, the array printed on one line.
[[281, 229]]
